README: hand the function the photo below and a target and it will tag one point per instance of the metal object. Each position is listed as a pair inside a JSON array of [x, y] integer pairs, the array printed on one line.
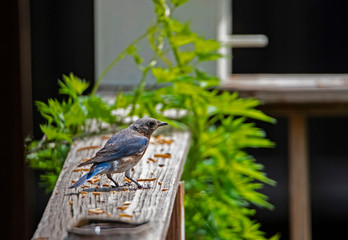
[[99, 228], [245, 41]]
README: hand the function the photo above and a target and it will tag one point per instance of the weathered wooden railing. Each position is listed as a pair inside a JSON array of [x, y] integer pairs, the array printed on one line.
[[97, 211]]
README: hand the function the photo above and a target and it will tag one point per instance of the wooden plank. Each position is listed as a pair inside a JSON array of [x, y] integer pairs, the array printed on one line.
[[66, 206], [300, 97], [300, 214], [309, 109], [177, 223], [288, 82], [290, 88]]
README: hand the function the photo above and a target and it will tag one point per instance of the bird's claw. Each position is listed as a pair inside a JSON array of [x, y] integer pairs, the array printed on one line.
[[143, 187], [127, 184]]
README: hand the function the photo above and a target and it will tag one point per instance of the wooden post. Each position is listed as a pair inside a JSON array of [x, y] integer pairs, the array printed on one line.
[[16, 117], [300, 220], [176, 229]]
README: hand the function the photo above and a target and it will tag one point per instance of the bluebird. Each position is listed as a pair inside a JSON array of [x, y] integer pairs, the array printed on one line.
[[122, 151]]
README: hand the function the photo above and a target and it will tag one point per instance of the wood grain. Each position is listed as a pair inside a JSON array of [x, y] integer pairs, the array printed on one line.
[[290, 88], [300, 212], [176, 229], [127, 204]]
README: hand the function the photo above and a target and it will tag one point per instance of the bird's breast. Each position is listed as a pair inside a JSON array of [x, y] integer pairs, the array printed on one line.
[[125, 163]]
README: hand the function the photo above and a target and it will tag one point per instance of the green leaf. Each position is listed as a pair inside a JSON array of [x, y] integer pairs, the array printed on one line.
[[72, 85], [45, 111], [180, 40], [54, 111], [275, 237], [164, 75], [186, 57], [49, 180], [137, 59], [74, 118], [208, 56], [203, 46], [151, 36], [97, 108], [230, 105], [248, 168], [188, 89], [180, 28], [133, 50], [53, 133], [178, 3]]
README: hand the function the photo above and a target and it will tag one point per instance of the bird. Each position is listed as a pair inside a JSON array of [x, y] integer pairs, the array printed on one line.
[[122, 151]]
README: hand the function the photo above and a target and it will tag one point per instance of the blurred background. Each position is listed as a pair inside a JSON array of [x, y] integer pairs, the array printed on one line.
[[45, 39]]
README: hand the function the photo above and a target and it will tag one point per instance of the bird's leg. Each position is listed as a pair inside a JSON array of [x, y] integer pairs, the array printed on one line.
[[127, 173], [110, 177]]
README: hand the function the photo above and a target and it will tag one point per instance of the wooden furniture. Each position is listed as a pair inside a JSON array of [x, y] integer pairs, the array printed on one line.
[[96, 210], [296, 96]]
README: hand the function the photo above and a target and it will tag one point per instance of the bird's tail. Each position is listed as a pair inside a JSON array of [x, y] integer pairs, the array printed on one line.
[[84, 178]]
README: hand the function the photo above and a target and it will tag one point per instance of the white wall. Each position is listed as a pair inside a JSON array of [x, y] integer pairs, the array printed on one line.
[[119, 22]]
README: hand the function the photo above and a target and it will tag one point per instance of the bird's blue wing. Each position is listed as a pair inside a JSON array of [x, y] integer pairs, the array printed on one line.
[[123, 145], [131, 146]]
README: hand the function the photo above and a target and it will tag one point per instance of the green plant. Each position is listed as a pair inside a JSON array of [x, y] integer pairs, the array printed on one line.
[[73, 117], [221, 179]]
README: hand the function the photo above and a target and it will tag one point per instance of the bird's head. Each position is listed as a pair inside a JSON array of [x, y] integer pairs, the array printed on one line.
[[146, 126]]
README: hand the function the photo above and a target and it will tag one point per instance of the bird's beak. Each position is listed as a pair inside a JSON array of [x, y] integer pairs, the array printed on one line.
[[162, 124]]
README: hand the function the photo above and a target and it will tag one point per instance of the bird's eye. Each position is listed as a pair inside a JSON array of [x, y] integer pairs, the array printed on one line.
[[152, 123]]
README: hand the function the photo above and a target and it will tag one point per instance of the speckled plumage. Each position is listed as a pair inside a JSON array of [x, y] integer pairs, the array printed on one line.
[[122, 151]]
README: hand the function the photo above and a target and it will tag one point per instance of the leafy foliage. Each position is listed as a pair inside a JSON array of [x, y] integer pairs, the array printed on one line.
[[222, 180], [66, 120]]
